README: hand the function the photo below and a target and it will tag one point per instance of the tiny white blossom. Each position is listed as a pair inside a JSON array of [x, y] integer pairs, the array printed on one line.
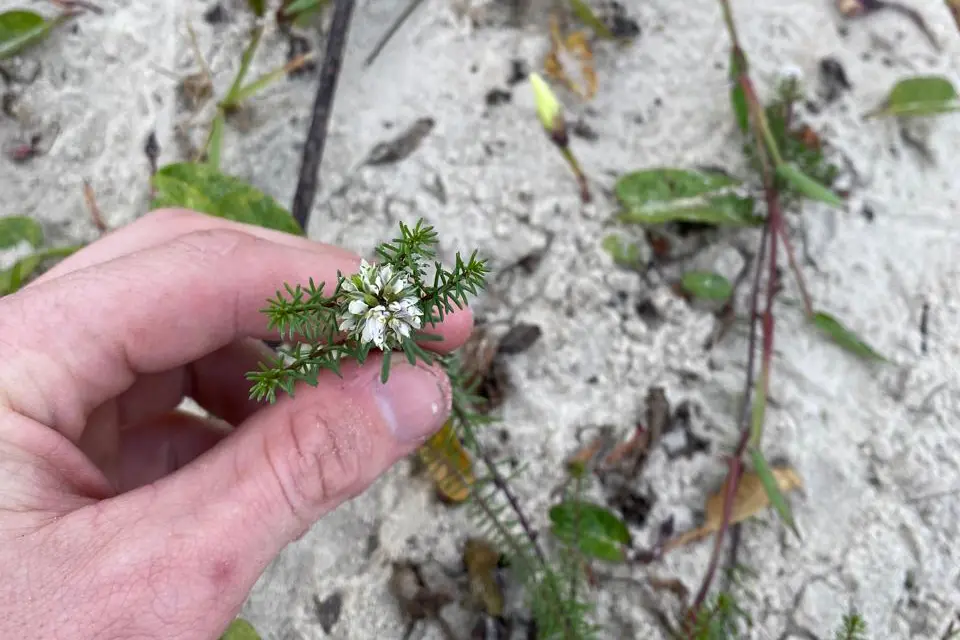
[[375, 309]]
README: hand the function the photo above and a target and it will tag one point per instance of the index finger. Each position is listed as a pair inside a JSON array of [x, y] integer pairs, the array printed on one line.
[[82, 338]]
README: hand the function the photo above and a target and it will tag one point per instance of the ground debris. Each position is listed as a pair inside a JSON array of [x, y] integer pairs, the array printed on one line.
[[417, 601], [402, 146], [751, 498]]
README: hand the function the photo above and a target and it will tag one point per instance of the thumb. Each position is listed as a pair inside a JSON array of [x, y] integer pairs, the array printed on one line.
[[289, 464]]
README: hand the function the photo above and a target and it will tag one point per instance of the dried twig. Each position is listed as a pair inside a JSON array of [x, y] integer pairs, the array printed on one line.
[[322, 106]]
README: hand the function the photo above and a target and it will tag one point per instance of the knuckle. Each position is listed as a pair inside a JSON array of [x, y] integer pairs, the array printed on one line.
[[317, 464], [217, 241], [170, 217]]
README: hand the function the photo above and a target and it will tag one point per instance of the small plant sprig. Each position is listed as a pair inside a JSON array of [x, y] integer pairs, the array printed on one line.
[[384, 306], [387, 306]]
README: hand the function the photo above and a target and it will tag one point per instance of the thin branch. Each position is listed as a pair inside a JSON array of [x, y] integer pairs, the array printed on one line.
[[773, 229], [391, 31], [322, 107]]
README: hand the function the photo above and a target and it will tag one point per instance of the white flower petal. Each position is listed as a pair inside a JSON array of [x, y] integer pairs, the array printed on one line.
[[357, 307]]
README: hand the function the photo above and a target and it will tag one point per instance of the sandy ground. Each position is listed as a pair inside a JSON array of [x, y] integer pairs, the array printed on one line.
[[867, 440]]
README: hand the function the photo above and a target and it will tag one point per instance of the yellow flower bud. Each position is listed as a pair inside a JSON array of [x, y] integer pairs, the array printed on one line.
[[549, 109]]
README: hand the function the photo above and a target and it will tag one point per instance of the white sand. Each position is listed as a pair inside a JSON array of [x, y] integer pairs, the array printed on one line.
[[865, 439]]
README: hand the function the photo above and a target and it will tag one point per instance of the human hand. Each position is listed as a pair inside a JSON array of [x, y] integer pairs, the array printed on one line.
[[122, 518]]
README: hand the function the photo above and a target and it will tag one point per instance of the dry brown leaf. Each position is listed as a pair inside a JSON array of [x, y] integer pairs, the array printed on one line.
[[481, 560], [569, 57], [954, 7], [750, 499], [448, 464]]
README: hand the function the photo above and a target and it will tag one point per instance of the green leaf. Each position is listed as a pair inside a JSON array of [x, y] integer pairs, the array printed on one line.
[[301, 6], [759, 408], [770, 485], [257, 6], [728, 210], [13, 278], [707, 285], [656, 196], [215, 142], [231, 100], [844, 337], [807, 185], [240, 629], [596, 530], [202, 188], [638, 189], [625, 254], [919, 96], [738, 97], [21, 29], [586, 15], [16, 229]]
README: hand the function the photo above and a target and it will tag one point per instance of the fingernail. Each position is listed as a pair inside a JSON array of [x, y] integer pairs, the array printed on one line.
[[415, 401]]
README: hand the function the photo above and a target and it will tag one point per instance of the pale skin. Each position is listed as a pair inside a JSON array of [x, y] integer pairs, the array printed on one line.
[[123, 518]]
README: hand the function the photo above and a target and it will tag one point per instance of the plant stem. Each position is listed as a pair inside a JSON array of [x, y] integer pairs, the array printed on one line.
[[501, 484], [322, 107], [773, 229]]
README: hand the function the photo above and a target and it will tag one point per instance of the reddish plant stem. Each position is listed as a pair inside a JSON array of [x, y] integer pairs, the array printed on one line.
[[772, 229], [776, 215]]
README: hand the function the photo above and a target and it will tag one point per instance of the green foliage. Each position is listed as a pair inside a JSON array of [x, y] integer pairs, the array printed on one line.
[[552, 588], [13, 231], [308, 312], [257, 6], [202, 188], [624, 253], [803, 170], [919, 96], [17, 229], [807, 186], [657, 196], [844, 336], [707, 285], [240, 629], [779, 502], [721, 618], [21, 29], [853, 627], [585, 14], [597, 531]]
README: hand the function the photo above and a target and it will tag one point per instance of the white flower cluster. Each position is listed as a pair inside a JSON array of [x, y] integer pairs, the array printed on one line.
[[379, 307]]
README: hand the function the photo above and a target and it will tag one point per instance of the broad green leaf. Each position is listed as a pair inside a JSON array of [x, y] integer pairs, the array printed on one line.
[[586, 15], [771, 484], [919, 96], [257, 6], [844, 337], [624, 253], [656, 196], [240, 629], [807, 185], [13, 278], [203, 188], [16, 229], [729, 210], [640, 189], [21, 29], [706, 285], [596, 530]]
